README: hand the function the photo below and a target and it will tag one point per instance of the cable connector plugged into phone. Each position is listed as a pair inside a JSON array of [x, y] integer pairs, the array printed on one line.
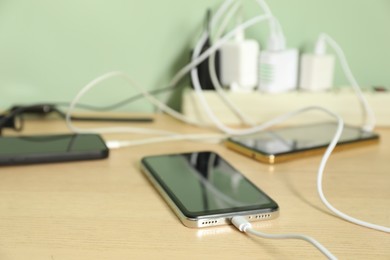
[[241, 223], [244, 226]]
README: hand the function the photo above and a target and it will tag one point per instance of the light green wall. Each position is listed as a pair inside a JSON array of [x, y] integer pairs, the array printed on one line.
[[50, 49]]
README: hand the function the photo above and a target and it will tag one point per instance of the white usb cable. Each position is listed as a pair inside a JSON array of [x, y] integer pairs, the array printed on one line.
[[369, 116], [244, 226], [150, 98], [115, 144], [213, 74]]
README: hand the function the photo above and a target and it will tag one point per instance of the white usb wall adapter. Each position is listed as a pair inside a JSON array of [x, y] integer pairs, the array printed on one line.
[[317, 69], [278, 70], [278, 66], [239, 64]]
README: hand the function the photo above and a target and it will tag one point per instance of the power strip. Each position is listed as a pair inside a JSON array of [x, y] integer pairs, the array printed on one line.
[[261, 107]]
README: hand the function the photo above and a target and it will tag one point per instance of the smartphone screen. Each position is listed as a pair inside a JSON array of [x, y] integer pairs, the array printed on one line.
[[202, 184], [51, 148], [280, 144]]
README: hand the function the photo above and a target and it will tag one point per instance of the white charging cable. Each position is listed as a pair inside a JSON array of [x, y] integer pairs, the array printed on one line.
[[218, 14], [323, 161], [198, 89], [277, 40], [150, 98], [179, 75], [145, 93], [244, 226], [195, 79], [213, 74], [320, 49], [196, 61], [115, 144]]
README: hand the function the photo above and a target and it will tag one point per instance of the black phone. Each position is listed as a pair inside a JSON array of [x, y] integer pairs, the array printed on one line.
[[204, 190], [295, 142], [51, 148]]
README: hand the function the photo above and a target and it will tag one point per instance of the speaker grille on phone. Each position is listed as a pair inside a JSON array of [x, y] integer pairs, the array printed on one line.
[[209, 222], [260, 216], [263, 216]]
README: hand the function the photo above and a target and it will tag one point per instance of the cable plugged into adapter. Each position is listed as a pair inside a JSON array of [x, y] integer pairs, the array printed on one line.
[[317, 74], [239, 63], [278, 70], [278, 66]]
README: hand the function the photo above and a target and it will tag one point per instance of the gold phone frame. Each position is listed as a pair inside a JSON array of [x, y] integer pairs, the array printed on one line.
[[284, 157]]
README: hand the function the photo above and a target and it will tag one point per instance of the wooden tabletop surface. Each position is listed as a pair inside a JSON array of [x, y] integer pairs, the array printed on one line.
[[106, 209]]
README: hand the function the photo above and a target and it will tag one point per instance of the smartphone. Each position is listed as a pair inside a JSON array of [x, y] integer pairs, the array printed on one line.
[[298, 142], [204, 190], [51, 148]]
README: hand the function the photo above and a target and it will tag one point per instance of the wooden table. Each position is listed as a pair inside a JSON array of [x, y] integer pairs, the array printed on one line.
[[107, 209]]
